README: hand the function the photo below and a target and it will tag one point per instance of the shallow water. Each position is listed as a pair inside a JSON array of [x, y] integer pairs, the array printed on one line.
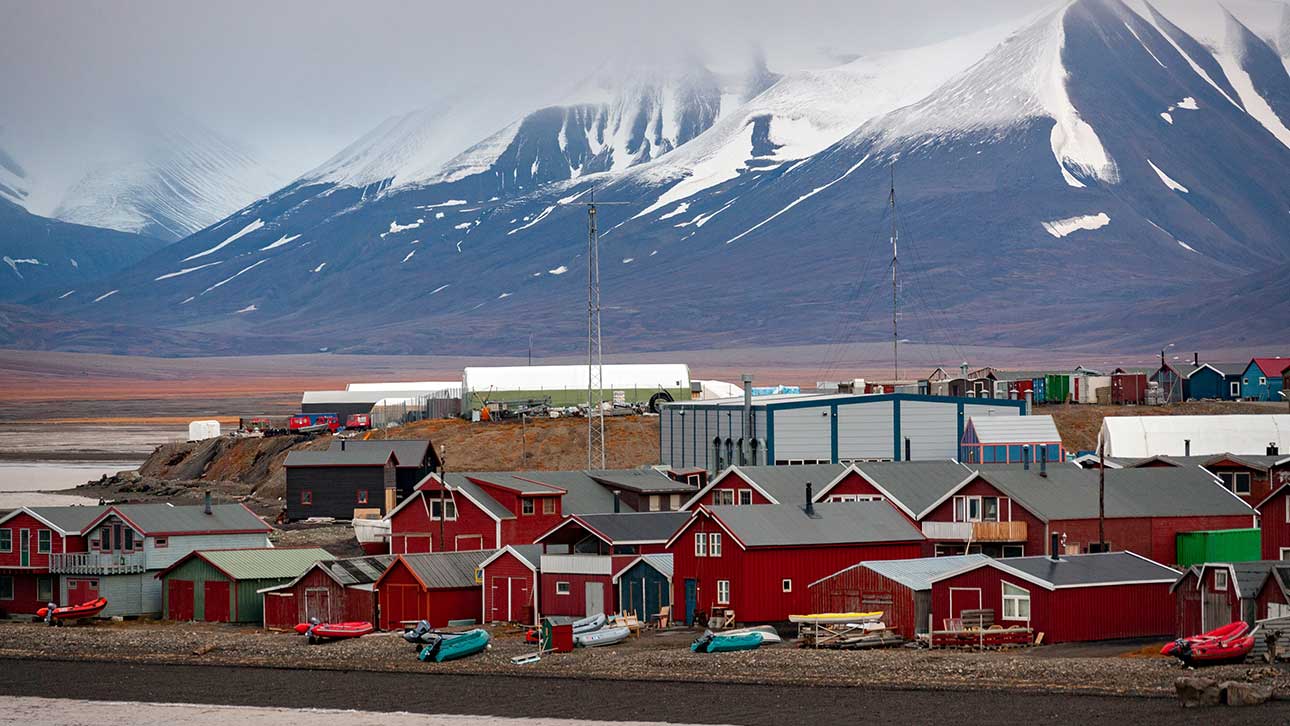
[[25, 483]]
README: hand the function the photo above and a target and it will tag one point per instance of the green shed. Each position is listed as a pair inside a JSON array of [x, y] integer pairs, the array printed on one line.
[[1220, 545], [1057, 387], [222, 586]]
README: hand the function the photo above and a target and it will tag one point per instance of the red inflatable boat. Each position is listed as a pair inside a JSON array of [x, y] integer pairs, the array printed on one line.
[[72, 612], [1228, 644], [322, 631], [1231, 630]]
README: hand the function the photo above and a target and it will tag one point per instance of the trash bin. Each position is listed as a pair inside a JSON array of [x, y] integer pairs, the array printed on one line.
[[559, 636]]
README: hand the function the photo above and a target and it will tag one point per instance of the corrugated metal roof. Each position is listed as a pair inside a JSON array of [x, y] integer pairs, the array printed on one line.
[[916, 484], [1092, 569], [1069, 492], [661, 561], [192, 518], [264, 564], [336, 457], [917, 574], [442, 570], [574, 377], [523, 482], [1143, 436], [1014, 429], [834, 523], [787, 484], [410, 452], [69, 519], [641, 480], [637, 526], [359, 570]]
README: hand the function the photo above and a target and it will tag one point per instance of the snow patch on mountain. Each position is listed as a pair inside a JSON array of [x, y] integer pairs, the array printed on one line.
[[283, 240], [798, 201], [234, 276], [1061, 227], [1233, 58], [13, 178], [1165, 178], [13, 263], [185, 271], [248, 309], [248, 229], [106, 295]]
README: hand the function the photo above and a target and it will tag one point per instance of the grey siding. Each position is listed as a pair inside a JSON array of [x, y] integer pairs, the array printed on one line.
[[932, 429], [179, 546], [665, 454], [865, 430], [127, 595], [804, 433]]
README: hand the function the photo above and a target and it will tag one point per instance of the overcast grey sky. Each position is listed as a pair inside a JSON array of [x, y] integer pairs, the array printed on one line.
[[299, 79]]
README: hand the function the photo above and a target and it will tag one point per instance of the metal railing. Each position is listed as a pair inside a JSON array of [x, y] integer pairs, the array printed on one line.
[[97, 563], [976, 531]]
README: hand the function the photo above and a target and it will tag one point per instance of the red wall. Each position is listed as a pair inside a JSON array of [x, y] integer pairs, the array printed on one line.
[[24, 600], [1187, 613], [1122, 611], [436, 606], [344, 603], [1271, 593], [853, 483], [861, 590], [1035, 543], [1152, 537], [733, 483], [1272, 520], [412, 530], [33, 525], [525, 528], [575, 603], [507, 566]]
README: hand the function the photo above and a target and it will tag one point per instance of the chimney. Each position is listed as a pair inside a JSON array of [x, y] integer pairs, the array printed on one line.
[[1195, 359], [207, 507], [748, 427], [963, 369], [1030, 399], [1186, 447], [617, 502], [1043, 461], [1273, 450], [1055, 546], [1025, 457], [810, 505], [907, 451], [342, 444]]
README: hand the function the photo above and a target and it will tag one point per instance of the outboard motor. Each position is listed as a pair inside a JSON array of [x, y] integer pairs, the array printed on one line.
[[49, 613]]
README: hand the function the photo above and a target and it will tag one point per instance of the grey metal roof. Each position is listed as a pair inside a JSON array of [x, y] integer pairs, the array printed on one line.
[[475, 492], [530, 552], [336, 457], [834, 523], [525, 482], [1250, 576], [584, 494], [661, 562], [1092, 569], [1014, 429], [358, 570], [264, 563], [155, 518], [917, 574], [787, 484], [916, 484], [409, 452], [637, 526], [1069, 492], [69, 519], [440, 570], [640, 480]]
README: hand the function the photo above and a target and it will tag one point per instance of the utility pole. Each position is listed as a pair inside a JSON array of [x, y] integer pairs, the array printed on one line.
[[895, 309], [524, 441], [1101, 496], [443, 493]]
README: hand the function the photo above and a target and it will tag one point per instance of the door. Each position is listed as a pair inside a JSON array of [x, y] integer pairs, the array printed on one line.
[[595, 598], [499, 600], [402, 605], [691, 600], [24, 548], [318, 604], [81, 590], [519, 610], [179, 597], [1217, 612], [218, 608], [964, 598]]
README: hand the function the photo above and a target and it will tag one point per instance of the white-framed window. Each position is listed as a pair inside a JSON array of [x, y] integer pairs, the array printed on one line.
[[714, 544], [527, 506], [1220, 580], [745, 496], [723, 497], [548, 505], [723, 592], [1263, 381], [1283, 553], [449, 508], [700, 544], [1241, 482], [655, 502], [1016, 602], [562, 588], [786, 585], [968, 508], [45, 541], [674, 504], [1235, 389], [6, 538], [1014, 551]]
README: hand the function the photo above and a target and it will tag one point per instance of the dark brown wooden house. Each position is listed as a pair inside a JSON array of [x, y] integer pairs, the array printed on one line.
[[371, 476]]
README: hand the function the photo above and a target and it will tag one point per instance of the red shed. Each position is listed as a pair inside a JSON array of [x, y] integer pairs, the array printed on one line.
[[901, 589], [510, 588], [619, 533], [1217, 593], [1274, 517], [579, 585], [334, 591], [437, 587], [1128, 388], [1103, 596], [762, 485], [758, 560]]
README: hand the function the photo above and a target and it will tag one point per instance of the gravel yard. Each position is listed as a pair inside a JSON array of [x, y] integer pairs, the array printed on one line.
[[654, 656]]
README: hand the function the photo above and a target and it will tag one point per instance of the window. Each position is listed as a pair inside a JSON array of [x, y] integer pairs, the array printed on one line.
[[960, 509], [786, 585], [700, 544], [1284, 553], [306, 499], [44, 589], [6, 587], [674, 503], [526, 506], [1220, 580], [1228, 480], [449, 506], [990, 509], [1016, 602], [655, 501], [714, 544], [1263, 381], [1014, 551], [745, 496], [129, 539], [362, 496], [723, 497], [105, 536], [723, 592], [161, 542], [548, 505], [1235, 389], [6, 540], [1242, 482], [1014, 454], [562, 588]]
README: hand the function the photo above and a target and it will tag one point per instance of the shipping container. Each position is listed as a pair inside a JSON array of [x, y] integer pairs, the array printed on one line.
[[1128, 389], [1057, 387], [1225, 545]]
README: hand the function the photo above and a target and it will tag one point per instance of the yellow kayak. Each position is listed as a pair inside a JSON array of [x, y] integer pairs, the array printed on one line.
[[836, 617]]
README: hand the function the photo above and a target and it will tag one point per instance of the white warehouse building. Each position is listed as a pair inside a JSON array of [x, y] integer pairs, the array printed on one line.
[[566, 385]]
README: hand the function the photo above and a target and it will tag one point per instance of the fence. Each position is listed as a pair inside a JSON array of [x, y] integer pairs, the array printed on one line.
[[440, 404]]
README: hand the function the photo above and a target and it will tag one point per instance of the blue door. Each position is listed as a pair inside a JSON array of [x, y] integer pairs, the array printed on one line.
[[691, 600]]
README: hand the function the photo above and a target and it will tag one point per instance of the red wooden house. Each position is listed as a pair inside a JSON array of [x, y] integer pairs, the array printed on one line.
[[1274, 520], [28, 538], [334, 591], [510, 585], [738, 485], [1252, 477], [622, 533], [1214, 594], [579, 585], [1103, 596], [436, 587], [758, 560]]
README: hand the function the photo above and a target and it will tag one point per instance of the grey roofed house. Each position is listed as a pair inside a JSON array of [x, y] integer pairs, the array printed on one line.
[[640, 480], [786, 484], [1010, 429], [630, 527], [358, 570], [475, 493], [583, 494], [915, 485], [1102, 568], [438, 570], [1247, 577], [1068, 492], [336, 457], [191, 519], [916, 574], [520, 481], [832, 524], [66, 519], [414, 453]]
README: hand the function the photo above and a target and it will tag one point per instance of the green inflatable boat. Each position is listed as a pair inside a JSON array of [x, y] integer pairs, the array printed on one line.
[[711, 642], [451, 646]]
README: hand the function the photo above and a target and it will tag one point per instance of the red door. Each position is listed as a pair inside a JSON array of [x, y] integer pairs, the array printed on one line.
[[404, 604], [79, 591], [521, 604], [218, 607], [179, 594]]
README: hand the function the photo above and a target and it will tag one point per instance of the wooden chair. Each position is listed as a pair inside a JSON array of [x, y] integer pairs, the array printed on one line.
[[729, 619], [632, 623], [662, 618]]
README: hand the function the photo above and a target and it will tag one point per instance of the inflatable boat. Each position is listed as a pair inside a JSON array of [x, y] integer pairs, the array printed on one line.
[[604, 636], [1217, 651], [451, 646], [1231, 630], [768, 633], [711, 642], [72, 612], [317, 632]]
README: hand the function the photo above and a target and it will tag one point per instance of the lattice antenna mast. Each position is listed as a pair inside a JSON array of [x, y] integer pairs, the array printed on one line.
[[895, 303]]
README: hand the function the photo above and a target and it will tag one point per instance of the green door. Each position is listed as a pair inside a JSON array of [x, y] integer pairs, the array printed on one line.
[[24, 548]]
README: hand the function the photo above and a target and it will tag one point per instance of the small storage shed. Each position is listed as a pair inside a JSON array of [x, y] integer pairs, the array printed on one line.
[[510, 584], [334, 591], [1128, 389], [579, 585], [1002, 440], [645, 585], [1214, 594], [1103, 596], [436, 587], [901, 589], [1057, 387], [222, 586], [1222, 545]]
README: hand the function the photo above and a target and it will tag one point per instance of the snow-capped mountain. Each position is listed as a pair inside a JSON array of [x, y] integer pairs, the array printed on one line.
[[1054, 186], [173, 179], [13, 178]]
